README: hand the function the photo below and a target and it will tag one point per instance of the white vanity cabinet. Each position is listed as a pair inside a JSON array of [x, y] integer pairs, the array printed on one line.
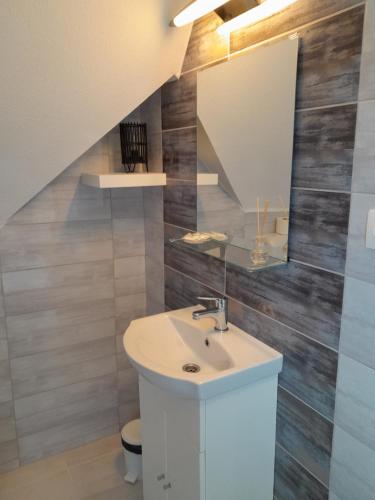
[[215, 449]]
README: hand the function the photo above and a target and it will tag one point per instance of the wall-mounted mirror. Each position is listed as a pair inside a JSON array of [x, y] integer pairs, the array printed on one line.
[[245, 138]]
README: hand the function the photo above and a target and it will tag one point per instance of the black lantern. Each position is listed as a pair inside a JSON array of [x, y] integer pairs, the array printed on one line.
[[133, 145]]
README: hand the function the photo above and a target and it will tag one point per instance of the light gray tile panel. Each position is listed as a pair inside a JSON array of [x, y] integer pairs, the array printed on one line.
[[128, 237], [364, 153], [355, 400], [67, 395], [13, 464], [128, 411], [129, 266], [59, 276], [122, 359], [3, 334], [131, 306], [130, 285], [23, 342], [59, 318], [31, 379], [357, 339], [8, 455], [153, 203], [367, 81], [352, 468], [2, 311], [69, 435], [360, 261], [3, 349], [57, 416], [52, 255], [5, 383], [128, 385], [41, 300], [154, 231], [40, 211], [154, 281], [7, 429]]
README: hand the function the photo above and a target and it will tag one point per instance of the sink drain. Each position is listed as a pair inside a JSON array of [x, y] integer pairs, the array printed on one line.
[[191, 368]]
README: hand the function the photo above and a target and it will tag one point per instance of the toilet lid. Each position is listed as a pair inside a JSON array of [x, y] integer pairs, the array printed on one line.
[[131, 432]]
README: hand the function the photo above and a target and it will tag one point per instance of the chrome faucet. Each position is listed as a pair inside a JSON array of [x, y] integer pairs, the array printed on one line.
[[219, 313]]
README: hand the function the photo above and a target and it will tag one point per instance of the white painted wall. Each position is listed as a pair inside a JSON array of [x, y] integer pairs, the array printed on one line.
[[70, 71]]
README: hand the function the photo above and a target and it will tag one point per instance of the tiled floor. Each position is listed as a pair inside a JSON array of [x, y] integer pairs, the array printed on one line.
[[92, 472]]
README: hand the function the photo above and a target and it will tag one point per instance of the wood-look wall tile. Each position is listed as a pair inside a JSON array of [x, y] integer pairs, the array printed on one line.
[[24, 341], [355, 400], [128, 237], [127, 203], [3, 334], [367, 86], [7, 428], [364, 155], [202, 267], [360, 262], [60, 286], [180, 206], [357, 339], [39, 245], [205, 44], [2, 310], [291, 18], [181, 291], [53, 321], [59, 416], [128, 411], [328, 73], [127, 385], [74, 433], [8, 455], [44, 211], [309, 368], [293, 482], [323, 148], [45, 371], [61, 396], [319, 228], [51, 277], [5, 382], [153, 203], [306, 299], [352, 467], [179, 102], [180, 153], [304, 434]]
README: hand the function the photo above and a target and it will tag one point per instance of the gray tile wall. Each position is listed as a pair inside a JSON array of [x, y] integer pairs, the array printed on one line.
[[295, 308], [353, 456], [73, 276]]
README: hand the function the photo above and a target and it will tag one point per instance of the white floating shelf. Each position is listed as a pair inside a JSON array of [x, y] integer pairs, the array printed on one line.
[[207, 179], [105, 181], [119, 180]]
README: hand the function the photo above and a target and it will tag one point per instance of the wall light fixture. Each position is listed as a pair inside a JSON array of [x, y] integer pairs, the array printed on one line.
[[195, 10], [266, 9]]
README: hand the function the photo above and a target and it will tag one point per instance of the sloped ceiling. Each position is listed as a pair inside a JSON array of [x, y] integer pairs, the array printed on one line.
[[70, 71]]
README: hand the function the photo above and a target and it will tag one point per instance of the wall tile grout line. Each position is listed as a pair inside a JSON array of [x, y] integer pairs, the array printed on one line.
[[301, 465], [330, 420]]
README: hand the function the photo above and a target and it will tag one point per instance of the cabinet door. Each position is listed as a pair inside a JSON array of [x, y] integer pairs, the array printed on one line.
[[153, 423], [185, 460]]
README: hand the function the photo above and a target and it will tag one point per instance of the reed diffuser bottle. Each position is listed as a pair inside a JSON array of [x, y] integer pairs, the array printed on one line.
[[259, 254]]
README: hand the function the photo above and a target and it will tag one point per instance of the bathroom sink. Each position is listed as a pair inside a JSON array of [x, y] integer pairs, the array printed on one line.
[[190, 358]]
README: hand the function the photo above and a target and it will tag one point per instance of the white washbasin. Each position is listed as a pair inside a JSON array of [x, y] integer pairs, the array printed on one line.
[[159, 346]]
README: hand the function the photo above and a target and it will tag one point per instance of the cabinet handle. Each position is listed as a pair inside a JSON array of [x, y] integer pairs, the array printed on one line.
[[167, 486], [160, 477]]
